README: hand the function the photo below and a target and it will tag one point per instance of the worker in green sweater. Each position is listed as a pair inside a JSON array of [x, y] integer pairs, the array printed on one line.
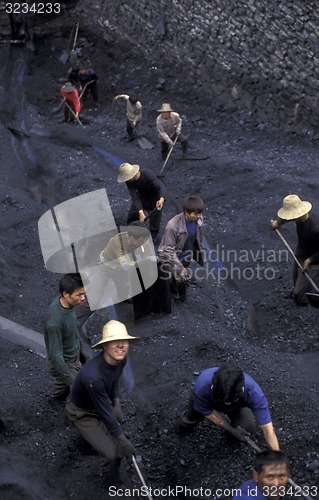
[[61, 334]]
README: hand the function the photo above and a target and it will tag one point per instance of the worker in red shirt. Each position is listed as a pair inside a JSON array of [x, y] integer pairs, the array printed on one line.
[[72, 104]]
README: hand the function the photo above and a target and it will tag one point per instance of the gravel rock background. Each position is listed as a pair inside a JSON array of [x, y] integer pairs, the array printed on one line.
[[247, 318]]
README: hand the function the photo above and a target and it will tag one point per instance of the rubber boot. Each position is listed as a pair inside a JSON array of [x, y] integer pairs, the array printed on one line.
[[182, 290]]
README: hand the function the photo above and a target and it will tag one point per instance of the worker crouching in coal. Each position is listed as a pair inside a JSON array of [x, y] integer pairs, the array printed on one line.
[[94, 405], [228, 390]]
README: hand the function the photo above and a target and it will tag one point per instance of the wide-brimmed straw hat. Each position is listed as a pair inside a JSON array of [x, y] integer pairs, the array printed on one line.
[[293, 207], [127, 172], [166, 108], [68, 88], [113, 330]]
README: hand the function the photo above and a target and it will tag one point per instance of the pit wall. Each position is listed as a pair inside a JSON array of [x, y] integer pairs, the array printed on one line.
[[261, 55]]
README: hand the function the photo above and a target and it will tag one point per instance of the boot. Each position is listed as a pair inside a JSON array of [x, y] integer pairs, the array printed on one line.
[[182, 288], [184, 148]]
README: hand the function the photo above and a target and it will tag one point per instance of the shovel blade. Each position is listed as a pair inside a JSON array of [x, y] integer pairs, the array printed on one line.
[[64, 57], [313, 299], [144, 143]]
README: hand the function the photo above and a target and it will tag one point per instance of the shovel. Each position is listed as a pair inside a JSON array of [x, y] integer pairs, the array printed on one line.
[[66, 54], [143, 142], [151, 213], [56, 108], [83, 90], [312, 297], [169, 154], [138, 470], [76, 117]]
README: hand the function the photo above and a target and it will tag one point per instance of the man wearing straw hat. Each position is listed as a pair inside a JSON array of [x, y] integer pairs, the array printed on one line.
[[147, 193], [72, 105], [94, 405], [169, 126], [307, 252]]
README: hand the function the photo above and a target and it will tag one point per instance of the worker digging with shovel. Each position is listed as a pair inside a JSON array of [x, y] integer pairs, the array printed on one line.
[[133, 114], [169, 127], [72, 105], [147, 195], [306, 263]]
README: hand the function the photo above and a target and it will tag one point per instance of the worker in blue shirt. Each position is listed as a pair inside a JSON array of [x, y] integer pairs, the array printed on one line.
[[227, 389], [94, 405], [87, 80], [270, 478]]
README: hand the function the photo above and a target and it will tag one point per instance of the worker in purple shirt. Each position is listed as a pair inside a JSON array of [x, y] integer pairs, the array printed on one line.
[[94, 406], [227, 389]]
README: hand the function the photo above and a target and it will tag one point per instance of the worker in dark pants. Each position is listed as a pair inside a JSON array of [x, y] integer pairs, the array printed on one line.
[[228, 390], [133, 114], [94, 405], [182, 243], [169, 127], [87, 80], [72, 105], [147, 193], [63, 342], [307, 252]]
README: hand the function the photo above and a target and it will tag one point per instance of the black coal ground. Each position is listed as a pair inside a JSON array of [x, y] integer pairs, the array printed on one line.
[[248, 319]]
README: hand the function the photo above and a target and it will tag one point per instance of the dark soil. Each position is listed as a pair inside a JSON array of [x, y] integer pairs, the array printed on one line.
[[248, 319]]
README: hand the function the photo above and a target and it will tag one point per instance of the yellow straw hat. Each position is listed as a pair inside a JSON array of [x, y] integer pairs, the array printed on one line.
[[293, 207], [113, 330], [127, 172], [166, 108]]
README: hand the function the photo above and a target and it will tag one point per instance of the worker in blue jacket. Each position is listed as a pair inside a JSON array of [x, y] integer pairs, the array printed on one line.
[[87, 80], [228, 390], [270, 478]]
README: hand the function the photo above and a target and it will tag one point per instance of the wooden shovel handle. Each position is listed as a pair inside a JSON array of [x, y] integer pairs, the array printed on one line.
[[76, 35]]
